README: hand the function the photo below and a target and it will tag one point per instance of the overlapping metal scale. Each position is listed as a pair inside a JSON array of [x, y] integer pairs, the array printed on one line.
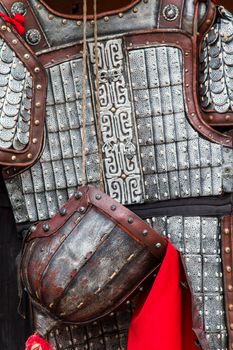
[[216, 65], [15, 100], [151, 152]]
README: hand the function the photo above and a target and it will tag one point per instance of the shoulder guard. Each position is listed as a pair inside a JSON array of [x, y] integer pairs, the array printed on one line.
[[22, 101], [216, 69]]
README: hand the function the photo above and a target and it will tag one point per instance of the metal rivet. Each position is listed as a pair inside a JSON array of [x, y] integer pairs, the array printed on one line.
[[29, 156], [130, 220], [113, 109], [158, 245], [46, 227], [230, 307], [13, 157], [37, 70], [14, 41], [135, 10], [226, 231], [64, 21], [78, 23], [63, 211], [3, 27], [33, 228], [230, 287], [120, 14], [50, 16], [34, 140], [232, 345], [82, 210], [113, 207], [145, 233], [231, 326], [27, 56], [37, 122], [98, 197], [106, 19], [78, 195], [227, 250], [228, 268], [39, 87], [38, 104]]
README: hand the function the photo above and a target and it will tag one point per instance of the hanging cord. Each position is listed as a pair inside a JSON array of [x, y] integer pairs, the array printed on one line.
[[84, 96], [97, 83]]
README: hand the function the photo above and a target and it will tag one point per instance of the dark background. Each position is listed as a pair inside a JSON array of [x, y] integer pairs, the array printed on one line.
[[75, 6]]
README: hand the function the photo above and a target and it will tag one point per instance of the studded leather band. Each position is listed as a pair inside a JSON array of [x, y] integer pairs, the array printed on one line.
[[227, 260], [90, 196]]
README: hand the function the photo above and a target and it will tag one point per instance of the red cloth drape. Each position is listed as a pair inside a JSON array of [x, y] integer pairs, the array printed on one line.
[[163, 320], [17, 21]]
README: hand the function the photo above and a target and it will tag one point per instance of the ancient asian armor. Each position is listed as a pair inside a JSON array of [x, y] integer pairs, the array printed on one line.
[[166, 120]]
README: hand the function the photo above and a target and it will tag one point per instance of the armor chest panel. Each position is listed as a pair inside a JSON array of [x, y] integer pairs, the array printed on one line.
[[150, 150]]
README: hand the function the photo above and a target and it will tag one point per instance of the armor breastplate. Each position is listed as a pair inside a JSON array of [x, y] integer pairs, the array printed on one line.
[[152, 153]]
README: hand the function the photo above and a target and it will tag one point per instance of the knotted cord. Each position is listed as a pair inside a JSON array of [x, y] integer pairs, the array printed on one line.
[[84, 97]]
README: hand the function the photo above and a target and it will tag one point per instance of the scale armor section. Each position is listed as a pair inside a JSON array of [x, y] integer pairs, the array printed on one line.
[[216, 61], [15, 100], [151, 152], [198, 239]]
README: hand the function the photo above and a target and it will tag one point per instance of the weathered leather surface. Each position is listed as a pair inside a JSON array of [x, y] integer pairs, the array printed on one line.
[[86, 261]]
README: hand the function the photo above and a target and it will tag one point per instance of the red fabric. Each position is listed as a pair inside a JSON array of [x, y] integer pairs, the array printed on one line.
[[163, 321], [17, 21], [35, 342]]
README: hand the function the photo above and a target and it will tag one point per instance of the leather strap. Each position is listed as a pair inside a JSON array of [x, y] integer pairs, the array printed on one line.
[[227, 260], [31, 22], [170, 14]]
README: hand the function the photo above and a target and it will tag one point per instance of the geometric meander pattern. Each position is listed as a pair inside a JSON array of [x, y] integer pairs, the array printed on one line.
[[151, 152], [15, 100], [216, 65]]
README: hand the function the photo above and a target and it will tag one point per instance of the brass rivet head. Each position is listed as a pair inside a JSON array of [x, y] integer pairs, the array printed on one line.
[[14, 41], [228, 268], [79, 23], [27, 56], [158, 245], [34, 140], [33, 228], [232, 345], [130, 220], [64, 21], [50, 16], [135, 10], [13, 157], [120, 14], [63, 211], [230, 307], [145, 233], [113, 207], [39, 87], [231, 326], [230, 287], [37, 122], [113, 109], [37, 70], [3, 27], [106, 18], [29, 156], [46, 227], [38, 104], [78, 195], [227, 250], [82, 210], [226, 231], [98, 197]]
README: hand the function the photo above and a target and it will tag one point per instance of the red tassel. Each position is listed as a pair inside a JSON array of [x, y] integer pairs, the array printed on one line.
[[35, 342], [17, 21]]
